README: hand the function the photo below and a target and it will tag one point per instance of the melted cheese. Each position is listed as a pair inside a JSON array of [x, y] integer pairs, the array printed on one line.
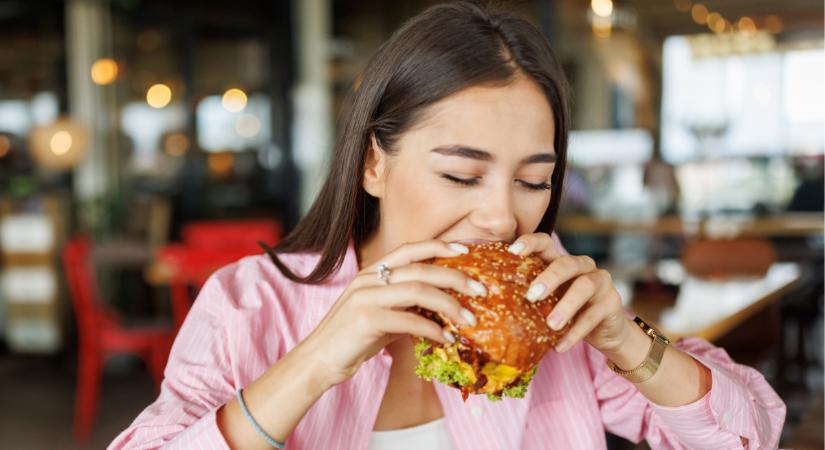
[[498, 376]]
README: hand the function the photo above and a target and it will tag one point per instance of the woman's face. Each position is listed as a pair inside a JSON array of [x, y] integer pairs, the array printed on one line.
[[476, 167]]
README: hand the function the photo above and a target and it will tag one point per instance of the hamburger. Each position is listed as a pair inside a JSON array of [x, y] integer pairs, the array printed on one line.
[[499, 355]]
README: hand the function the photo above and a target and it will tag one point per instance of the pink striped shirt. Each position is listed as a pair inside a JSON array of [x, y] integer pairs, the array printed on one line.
[[248, 315]]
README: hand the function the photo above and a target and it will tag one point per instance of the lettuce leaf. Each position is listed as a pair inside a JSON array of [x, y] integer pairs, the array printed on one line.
[[518, 390], [434, 366], [438, 366]]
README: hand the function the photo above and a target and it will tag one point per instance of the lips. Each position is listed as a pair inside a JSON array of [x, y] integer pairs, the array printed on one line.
[[473, 241]]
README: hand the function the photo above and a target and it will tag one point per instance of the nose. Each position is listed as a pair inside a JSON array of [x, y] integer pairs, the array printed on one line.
[[495, 215]]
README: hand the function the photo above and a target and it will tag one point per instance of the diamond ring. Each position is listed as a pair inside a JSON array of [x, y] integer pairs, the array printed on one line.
[[384, 273]]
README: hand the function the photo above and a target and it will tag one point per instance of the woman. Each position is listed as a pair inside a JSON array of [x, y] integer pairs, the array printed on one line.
[[457, 132]]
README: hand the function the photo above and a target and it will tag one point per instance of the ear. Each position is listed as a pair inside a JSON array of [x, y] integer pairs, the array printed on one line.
[[375, 168]]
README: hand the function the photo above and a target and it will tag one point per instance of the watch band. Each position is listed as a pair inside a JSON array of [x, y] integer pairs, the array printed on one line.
[[648, 367]]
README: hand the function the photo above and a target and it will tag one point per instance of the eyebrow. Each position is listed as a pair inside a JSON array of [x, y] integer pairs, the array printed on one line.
[[481, 155]]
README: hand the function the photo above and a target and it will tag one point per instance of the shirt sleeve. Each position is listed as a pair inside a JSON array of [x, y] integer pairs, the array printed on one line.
[[197, 381], [741, 410]]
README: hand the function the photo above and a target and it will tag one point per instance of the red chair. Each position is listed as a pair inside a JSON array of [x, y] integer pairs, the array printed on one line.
[[102, 334], [207, 246], [189, 268], [231, 234]]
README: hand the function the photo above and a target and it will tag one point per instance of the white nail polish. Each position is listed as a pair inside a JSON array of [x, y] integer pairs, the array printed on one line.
[[535, 292], [469, 317], [554, 323], [516, 248], [456, 247], [448, 336], [477, 287]]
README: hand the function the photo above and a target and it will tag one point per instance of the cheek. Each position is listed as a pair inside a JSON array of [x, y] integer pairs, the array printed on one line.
[[418, 207], [529, 209]]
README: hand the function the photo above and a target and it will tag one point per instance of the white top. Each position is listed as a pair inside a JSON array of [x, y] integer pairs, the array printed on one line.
[[431, 435]]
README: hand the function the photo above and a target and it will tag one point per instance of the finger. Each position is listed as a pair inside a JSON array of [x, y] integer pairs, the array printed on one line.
[[540, 244], [559, 271], [395, 322], [584, 324], [419, 251], [417, 293], [438, 276], [580, 292]]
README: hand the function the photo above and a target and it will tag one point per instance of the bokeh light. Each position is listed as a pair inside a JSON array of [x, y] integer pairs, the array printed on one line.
[[104, 71], [234, 100], [699, 13], [602, 8], [716, 22], [158, 95], [746, 26], [221, 164], [61, 142], [176, 144], [247, 126]]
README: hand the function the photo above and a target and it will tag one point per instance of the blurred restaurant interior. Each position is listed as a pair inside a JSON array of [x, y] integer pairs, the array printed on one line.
[[145, 143]]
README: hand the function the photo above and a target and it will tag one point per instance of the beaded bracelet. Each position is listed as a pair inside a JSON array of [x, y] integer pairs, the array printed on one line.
[[255, 425]]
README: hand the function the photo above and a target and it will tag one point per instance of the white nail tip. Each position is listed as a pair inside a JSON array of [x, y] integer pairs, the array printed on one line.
[[448, 336], [535, 292], [469, 317], [516, 248], [459, 248], [477, 287]]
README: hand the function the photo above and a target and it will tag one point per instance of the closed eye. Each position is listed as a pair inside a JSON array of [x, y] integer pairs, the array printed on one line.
[[475, 181], [462, 181], [535, 186]]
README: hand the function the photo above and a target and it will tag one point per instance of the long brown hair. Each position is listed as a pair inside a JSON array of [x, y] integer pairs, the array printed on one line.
[[442, 50]]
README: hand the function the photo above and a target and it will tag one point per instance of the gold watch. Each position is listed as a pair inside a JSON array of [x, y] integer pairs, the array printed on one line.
[[648, 367]]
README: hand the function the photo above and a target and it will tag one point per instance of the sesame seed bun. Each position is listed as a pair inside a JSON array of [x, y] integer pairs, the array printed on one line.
[[510, 337]]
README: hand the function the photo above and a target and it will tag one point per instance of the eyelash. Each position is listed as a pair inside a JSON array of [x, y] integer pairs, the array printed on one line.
[[475, 180]]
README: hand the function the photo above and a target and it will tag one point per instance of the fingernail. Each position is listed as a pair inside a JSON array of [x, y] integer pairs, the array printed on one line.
[[469, 317], [535, 292], [448, 336], [562, 346], [456, 247], [477, 287], [516, 248], [555, 321]]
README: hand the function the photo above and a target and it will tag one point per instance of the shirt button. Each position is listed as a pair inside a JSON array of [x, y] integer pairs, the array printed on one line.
[[476, 411]]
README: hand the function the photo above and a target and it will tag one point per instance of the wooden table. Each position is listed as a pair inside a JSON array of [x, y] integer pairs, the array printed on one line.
[[781, 225], [712, 309]]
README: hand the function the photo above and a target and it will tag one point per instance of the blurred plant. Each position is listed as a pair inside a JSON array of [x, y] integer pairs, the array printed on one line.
[[21, 186], [104, 216]]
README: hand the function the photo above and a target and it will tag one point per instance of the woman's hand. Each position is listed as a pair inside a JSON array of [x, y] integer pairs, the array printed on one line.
[[371, 313], [591, 302]]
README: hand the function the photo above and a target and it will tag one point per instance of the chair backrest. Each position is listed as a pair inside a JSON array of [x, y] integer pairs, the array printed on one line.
[[189, 268], [728, 257], [231, 234], [82, 285]]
